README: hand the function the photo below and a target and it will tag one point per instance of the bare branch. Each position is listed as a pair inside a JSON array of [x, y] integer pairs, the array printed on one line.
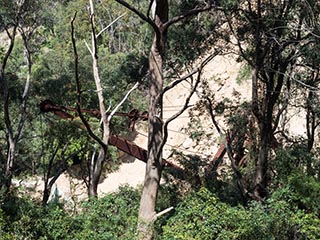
[[84, 121], [97, 79], [164, 212], [213, 119], [87, 45], [109, 25], [122, 101], [187, 14], [185, 106], [196, 70], [140, 14]]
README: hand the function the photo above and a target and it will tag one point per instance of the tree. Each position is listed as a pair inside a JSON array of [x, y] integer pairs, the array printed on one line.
[[158, 18], [276, 30], [19, 16], [96, 165]]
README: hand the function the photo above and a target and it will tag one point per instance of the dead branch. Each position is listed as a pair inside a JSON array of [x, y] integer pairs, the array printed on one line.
[[164, 212], [84, 121], [140, 14], [110, 24], [193, 72], [122, 101]]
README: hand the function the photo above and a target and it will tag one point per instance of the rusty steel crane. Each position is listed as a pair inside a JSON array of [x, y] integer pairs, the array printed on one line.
[[120, 143]]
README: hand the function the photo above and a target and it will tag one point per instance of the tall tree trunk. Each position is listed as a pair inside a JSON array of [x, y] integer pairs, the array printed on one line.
[[260, 181], [5, 91], [157, 130], [96, 165], [147, 213]]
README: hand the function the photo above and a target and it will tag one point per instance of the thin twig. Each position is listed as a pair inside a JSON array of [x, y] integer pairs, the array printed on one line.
[[87, 45], [122, 101], [196, 70]]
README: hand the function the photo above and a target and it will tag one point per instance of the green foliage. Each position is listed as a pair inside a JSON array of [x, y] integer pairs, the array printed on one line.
[[202, 216], [298, 170], [199, 215], [113, 216], [305, 192], [293, 159]]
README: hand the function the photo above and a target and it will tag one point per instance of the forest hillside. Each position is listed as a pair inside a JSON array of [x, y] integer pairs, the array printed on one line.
[[159, 119]]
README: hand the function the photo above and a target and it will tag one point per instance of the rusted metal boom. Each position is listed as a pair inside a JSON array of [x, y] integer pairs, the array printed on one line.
[[129, 147], [134, 115], [120, 143]]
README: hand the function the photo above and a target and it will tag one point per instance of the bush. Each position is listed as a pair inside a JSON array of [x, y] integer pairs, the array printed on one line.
[[199, 215], [202, 216], [111, 217]]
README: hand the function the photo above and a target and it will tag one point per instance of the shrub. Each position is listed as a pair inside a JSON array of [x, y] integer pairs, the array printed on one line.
[[113, 216], [202, 216]]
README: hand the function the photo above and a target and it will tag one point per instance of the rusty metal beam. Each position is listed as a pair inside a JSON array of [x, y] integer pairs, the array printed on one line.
[[120, 143], [129, 148], [220, 153], [48, 106]]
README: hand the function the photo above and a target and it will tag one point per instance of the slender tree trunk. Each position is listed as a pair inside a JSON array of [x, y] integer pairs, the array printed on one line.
[[11, 146], [14, 138], [147, 213], [95, 172], [96, 166], [10, 141]]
